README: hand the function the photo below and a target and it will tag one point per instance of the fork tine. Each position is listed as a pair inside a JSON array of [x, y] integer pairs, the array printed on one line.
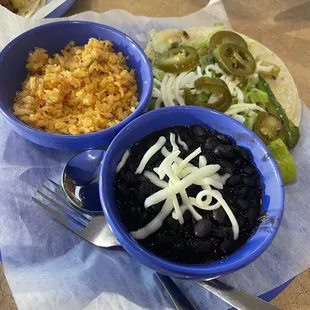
[[55, 184], [73, 216], [86, 217], [56, 215]]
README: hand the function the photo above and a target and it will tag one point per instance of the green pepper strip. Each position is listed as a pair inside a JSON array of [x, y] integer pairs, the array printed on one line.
[[274, 107]]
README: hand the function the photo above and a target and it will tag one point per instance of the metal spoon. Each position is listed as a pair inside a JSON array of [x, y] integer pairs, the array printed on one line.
[[86, 196], [79, 180]]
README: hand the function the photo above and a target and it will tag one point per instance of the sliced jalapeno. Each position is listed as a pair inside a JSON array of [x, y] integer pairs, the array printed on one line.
[[176, 60], [235, 59], [269, 127], [226, 36], [215, 86]]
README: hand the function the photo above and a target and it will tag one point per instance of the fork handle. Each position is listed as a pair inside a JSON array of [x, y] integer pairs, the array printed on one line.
[[177, 296], [237, 298]]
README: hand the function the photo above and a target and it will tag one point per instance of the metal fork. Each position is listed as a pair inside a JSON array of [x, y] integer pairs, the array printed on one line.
[[95, 230]]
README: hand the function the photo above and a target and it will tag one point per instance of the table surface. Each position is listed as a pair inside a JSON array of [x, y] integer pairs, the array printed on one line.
[[282, 25]]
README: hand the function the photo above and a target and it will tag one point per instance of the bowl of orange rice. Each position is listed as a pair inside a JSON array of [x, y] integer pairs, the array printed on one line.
[[73, 85]]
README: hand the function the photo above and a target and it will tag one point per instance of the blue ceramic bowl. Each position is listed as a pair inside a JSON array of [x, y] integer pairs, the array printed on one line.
[[273, 191], [53, 37]]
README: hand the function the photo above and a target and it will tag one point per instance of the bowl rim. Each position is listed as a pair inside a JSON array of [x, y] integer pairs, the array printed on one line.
[[143, 102], [212, 269]]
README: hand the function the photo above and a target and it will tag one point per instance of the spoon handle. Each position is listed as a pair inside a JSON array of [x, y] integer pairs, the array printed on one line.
[[179, 299], [239, 299]]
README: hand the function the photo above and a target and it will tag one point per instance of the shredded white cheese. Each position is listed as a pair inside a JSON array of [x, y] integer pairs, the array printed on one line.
[[182, 185], [155, 179], [173, 143], [182, 174], [123, 161], [243, 107], [165, 163], [148, 155], [238, 117], [184, 163], [217, 195], [182, 143], [156, 223]]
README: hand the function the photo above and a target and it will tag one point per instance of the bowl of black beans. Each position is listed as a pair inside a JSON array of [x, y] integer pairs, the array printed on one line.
[[191, 193]]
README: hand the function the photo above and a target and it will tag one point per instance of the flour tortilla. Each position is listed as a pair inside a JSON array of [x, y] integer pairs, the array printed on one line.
[[30, 7], [283, 87]]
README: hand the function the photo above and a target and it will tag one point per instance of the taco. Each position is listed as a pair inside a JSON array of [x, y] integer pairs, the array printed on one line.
[[228, 72], [25, 8]]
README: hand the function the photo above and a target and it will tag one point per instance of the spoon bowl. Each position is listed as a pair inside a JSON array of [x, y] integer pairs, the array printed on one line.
[[79, 180]]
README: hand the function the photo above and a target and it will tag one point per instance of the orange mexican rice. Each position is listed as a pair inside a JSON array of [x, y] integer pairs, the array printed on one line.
[[81, 90]]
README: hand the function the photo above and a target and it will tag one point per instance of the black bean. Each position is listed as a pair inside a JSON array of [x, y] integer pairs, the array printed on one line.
[[226, 167], [171, 223], [187, 216], [256, 198], [238, 163], [211, 143], [244, 153], [193, 190], [123, 190], [251, 217], [211, 160], [224, 139], [202, 228], [203, 246], [212, 132], [155, 208], [198, 131], [243, 192], [215, 241], [249, 169], [133, 166], [225, 164], [227, 247], [179, 198], [195, 162], [234, 210], [226, 170], [225, 151], [241, 204], [145, 218], [167, 239], [188, 228], [201, 141], [241, 222], [249, 181], [130, 178], [222, 233], [219, 215], [234, 180], [180, 246], [145, 190], [157, 157]]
